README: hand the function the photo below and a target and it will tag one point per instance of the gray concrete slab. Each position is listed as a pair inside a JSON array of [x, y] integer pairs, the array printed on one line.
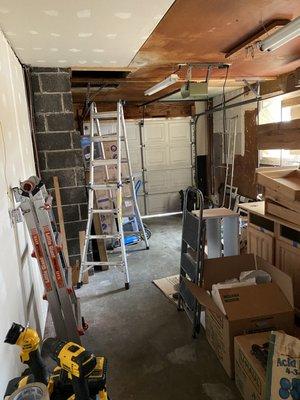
[[147, 342]]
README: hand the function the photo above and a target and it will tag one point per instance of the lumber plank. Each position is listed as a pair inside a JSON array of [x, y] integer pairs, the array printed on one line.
[[281, 135]]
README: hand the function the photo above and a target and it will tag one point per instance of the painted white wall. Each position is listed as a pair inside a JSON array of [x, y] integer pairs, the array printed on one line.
[[21, 287], [201, 129]]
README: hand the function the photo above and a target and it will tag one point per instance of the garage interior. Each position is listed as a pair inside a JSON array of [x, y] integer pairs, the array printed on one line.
[[150, 199]]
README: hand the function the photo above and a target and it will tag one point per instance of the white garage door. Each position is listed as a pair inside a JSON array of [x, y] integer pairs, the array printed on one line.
[[161, 157], [165, 145]]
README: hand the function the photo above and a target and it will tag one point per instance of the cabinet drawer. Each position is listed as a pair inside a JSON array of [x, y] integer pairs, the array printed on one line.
[[288, 260]]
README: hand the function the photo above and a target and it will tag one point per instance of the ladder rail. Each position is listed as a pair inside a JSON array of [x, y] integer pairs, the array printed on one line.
[[137, 210], [114, 188], [119, 195]]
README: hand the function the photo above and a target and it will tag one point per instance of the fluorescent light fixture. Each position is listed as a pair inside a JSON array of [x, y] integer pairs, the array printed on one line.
[[170, 80], [282, 36]]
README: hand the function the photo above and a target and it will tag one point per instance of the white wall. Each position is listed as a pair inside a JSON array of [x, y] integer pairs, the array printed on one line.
[[20, 284], [201, 129]]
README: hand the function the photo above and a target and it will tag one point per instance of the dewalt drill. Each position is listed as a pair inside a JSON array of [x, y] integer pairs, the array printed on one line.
[[85, 371], [29, 341], [79, 374]]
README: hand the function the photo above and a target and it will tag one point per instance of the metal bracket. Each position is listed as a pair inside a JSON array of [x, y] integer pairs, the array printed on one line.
[[16, 215], [254, 89]]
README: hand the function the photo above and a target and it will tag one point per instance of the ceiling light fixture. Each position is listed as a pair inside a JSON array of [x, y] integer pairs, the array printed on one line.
[[282, 36], [170, 80]]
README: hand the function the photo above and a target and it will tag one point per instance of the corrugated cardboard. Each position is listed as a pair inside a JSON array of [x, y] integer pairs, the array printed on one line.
[[249, 309], [250, 376]]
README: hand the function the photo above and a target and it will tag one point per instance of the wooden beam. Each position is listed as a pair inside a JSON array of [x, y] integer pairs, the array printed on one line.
[[281, 135]]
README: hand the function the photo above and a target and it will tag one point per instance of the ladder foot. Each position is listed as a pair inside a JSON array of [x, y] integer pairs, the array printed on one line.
[[147, 247], [127, 285], [79, 284]]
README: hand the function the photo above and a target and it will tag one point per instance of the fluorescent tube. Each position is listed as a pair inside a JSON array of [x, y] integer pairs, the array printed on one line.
[[170, 80], [281, 36]]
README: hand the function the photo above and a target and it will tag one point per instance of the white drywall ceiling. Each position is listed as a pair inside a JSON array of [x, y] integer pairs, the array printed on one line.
[[98, 33]]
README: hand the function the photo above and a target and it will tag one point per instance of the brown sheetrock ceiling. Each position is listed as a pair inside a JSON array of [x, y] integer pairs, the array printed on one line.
[[203, 31]]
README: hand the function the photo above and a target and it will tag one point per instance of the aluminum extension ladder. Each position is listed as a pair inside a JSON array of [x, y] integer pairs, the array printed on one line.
[[109, 186], [35, 205], [192, 255]]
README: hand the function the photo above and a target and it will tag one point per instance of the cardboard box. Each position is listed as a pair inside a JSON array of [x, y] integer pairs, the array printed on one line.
[[250, 375], [248, 309]]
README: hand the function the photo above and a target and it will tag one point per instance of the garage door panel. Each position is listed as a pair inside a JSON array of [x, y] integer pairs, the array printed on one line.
[[156, 157], [157, 181], [179, 179], [135, 159], [163, 203], [179, 131], [133, 134], [180, 157], [155, 133]]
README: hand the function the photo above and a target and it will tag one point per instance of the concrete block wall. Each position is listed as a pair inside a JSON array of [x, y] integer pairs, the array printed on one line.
[[59, 151]]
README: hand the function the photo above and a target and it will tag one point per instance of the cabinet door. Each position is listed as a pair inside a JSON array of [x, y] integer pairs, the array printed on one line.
[[288, 260], [260, 244]]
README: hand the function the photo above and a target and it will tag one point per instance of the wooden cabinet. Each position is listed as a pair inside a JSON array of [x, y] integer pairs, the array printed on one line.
[[288, 260], [260, 243]]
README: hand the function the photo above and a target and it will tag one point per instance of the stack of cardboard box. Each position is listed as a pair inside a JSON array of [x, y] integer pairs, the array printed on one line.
[[248, 309]]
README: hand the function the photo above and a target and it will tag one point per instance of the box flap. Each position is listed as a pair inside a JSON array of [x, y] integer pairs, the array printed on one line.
[[254, 301], [218, 270], [279, 277], [203, 297]]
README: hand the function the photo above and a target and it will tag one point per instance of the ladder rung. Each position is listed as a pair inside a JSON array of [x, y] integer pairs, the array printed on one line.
[[104, 186], [106, 263], [109, 161], [106, 138], [132, 233], [115, 236], [107, 211], [106, 115], [100, 163]]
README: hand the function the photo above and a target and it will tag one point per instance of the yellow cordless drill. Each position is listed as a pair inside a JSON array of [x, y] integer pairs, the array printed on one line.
[[79, 374], [85, 371]]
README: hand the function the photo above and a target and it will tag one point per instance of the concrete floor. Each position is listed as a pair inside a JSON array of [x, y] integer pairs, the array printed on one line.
[[147, 342]]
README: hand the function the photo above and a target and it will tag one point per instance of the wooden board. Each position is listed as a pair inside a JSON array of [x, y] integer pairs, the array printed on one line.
[[281, 135], [258, 208], [282, 212], [214, 213], [279, 198], [282, 180]]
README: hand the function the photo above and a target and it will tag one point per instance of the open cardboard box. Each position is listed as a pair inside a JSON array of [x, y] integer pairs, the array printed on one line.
[[248, 309], [285, 181]]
